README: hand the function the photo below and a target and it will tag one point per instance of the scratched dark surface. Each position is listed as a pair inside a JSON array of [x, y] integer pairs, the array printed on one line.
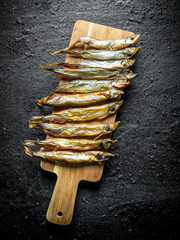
[[138, 195]]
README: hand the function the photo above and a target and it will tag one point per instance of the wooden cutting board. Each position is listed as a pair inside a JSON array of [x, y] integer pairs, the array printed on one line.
[[61, 206]]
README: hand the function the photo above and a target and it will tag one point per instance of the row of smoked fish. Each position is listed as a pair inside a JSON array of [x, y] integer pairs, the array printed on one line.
[[93, 92]]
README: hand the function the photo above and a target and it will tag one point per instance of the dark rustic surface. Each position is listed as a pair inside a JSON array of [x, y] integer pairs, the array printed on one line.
[[137, 197]]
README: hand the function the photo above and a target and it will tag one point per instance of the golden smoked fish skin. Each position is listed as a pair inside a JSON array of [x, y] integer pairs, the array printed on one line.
[[102, 54], [71, 143], [107, 44], [75, 130], [80, 114], [92, 73], [86, 86], [125, 63], [71, 156], [78, 100]]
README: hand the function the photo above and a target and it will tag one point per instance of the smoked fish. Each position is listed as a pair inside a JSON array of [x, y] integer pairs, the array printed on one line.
[[71, 156]]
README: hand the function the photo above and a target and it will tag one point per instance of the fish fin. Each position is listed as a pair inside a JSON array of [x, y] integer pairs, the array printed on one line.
[[30, 143], [70, 47], [71, 53], [69, 65], [103, 93], [52, 93], [101, 134], [99, 118], [28, 151], [47, 68], [66, 49]]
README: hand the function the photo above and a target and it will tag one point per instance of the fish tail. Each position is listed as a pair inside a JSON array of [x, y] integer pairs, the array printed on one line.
[[28, 151], [39, 102], [30, 143], [36, 120], [57, 64], [58, 52], [33, 125], [47, 68]]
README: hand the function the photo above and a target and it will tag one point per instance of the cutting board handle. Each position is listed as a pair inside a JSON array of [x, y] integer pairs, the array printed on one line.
[[61, 206]]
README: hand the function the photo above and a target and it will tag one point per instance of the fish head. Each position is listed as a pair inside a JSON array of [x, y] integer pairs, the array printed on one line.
[[130, 62], [125, 63], [109, 127], [114, 107], [104, 156], [114, 93], [132, 39], [108, 143], [130, 74], [118, 83]]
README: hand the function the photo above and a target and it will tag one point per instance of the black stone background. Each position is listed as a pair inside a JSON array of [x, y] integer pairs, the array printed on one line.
[[137, 197]]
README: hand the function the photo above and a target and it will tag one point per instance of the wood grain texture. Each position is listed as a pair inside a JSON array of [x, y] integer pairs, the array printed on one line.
[[68, 177]]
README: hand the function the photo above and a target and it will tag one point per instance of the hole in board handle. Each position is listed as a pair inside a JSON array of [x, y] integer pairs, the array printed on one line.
[[59, 214]]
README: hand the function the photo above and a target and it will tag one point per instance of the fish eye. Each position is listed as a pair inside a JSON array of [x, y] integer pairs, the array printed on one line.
[[99, 157], [115, 94], [112, 108], [106, 128], [107, 143], [124, 64]]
